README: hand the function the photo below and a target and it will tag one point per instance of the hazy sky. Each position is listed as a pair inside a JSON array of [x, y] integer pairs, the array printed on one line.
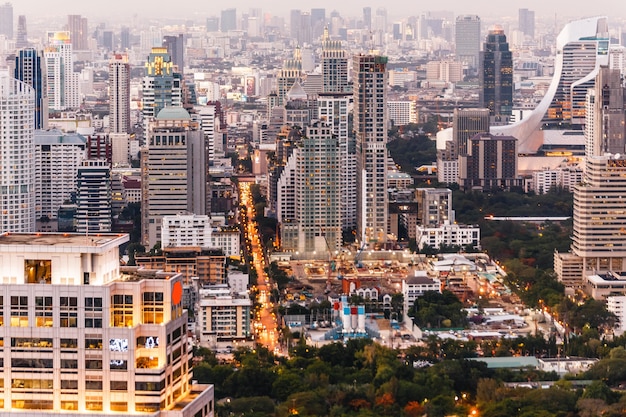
[[97, 10]]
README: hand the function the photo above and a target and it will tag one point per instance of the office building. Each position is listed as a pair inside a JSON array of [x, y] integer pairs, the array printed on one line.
[[228, 20], [175, 46], [79, 32], [17, 156], [223, 315], [294, 23], [119, 94], [62, 81], [89, 338], [213, 24], [185, 230], [57, 159], [93, 197], [125, 38], [446, 70], [402, 113], [467, 40], [6, 20], [526, 22], [367, 18], [161, 86], [490, 163], [370, 125], [208, 265], [174, 171], [465, 124], [605, 127], [334, 65], [288, 75], [434, 206], [496, 75], [30, 69], [334, 110], [21, 39]]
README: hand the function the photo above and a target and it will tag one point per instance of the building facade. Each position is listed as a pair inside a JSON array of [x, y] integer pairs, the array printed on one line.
[[467, 40], [119, 91], [496, 75], [30, 68], [93, 197]]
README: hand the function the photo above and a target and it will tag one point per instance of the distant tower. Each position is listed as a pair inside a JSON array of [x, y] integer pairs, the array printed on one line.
[[6, 20], [119, 87], [79, 32], [93, 197], [17, 156], [334, 65], [367, 18], [294, 23], [465, 124], [467, 35], [176, 49], [21, 40], [29, 68], [161, 86], [63, 85], [288, 75], [370, 125], [496, 75], [125, 38], [228, 20], [526, 22]]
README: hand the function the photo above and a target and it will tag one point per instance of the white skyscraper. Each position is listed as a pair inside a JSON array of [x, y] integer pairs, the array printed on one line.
[[17, 155], [119, 94], [63, 82], [370, 124]]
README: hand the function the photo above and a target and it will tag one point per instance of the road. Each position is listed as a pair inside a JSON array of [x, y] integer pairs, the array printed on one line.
[[264, 322]]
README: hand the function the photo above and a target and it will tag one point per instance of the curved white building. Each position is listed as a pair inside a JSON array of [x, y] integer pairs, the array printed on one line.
[[581, 48], [17, 155]]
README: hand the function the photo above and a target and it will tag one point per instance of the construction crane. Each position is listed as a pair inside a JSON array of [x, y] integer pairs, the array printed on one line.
[[357, 257], [331, 262]]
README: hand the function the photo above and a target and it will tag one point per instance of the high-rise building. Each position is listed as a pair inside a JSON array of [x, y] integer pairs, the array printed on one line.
[[17, 156], [62, 81], [175, 46], [29, 68], [79, 31], [57, 159], [367, 18], [465, 124], [489, 164], [370, 125], [6, 20], [21, 40], [93, 197], [526, 22], [288, 75], [318, 22], [304, 29], [294, 23], [213, 24], [228, 20], [467, 40], [119, 94], [605, 127], [174, 171], [161, 86], [434, 206], [334, 65], [125, 38], [496, 75], [90, 337], [334, 110]]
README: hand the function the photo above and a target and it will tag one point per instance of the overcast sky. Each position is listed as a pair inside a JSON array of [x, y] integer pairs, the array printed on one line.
[[97, 10]]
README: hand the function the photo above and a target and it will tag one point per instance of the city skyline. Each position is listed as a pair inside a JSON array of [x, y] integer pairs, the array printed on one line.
[[559, 9]]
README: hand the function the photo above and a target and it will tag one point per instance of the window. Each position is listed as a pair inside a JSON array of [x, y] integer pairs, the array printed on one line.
[[93, 343], [93, 312], [68, 311], [38, 271], [93, 385], [19, 311], [43, 311], [119, 386], [93, 323], [93, 364], [153, 307], [122, 310]]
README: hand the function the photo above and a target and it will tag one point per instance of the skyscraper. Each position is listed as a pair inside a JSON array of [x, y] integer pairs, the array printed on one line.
[[318, 22], [605, 127], [496, 75], [370, 125], [334, 65], [125, 38], [294, 23], [174, 171], [367, 18], [79, 32], [161, 86], [467, 39], [6, 20], [93, 197], [175, 46], [465, 124], [526, 22], [29, 68], [119, 90], [21, 40], [62, 81], [489, 164], [228, 20], [17, 156], [288, 75]]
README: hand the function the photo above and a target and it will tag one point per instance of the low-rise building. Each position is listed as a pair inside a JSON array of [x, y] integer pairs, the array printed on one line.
[[415, 286], [222, 315], [448, 235]]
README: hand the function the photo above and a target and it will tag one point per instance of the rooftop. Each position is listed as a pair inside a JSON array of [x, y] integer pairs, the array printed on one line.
[[72, 240]]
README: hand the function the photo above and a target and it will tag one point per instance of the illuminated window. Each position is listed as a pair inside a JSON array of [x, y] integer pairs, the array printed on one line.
[[152, 307], [43, 311], [19, 311], [69, 311], [122, 310], [38, 271]]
